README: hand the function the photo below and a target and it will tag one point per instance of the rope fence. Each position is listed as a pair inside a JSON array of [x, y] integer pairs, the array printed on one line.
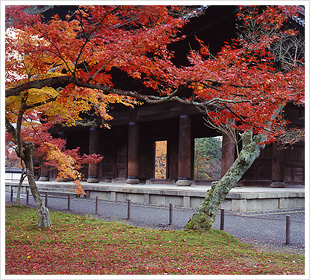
[[262, 218], [169, 208]]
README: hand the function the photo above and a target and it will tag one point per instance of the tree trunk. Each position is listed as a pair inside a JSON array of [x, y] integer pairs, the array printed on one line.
[[22, 177], [204, 217], [44, 216]]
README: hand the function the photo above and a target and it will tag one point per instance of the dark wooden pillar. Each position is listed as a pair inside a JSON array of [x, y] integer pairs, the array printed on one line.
[[277, 167], [184, 169], [228, 154], [133, 159], [94, 141]]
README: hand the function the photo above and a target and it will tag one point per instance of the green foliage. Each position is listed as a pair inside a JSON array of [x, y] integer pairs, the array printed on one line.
[[82, 245], [208, 154], [211, 146]]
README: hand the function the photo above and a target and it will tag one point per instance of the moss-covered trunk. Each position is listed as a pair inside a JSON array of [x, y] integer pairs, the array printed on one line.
[[204, 217]]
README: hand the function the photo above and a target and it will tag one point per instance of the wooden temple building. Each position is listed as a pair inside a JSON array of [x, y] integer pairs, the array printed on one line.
[[128, 147]]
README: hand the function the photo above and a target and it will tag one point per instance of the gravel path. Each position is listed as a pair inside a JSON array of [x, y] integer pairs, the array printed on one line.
[[267, 231]]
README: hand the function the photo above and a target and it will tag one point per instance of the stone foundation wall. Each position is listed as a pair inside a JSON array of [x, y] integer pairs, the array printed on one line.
[[237, 201]]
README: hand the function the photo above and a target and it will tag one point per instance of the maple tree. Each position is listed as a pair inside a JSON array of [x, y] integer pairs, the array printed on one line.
[[62, 67], [51, 152], [53, 69], [251, 88]]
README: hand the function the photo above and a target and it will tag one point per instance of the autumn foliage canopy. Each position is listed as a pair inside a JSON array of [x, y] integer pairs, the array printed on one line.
[[59, 68]]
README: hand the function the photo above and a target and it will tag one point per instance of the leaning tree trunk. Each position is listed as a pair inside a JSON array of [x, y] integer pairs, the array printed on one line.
[[204, 217], [44, 216]]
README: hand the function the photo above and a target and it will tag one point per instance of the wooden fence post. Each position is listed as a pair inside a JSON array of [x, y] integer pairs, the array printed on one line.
[[68, 202], [170, 214], [96, 208], [222, 220], [128, 209], [27, 197], [45, 199], [288, 228]]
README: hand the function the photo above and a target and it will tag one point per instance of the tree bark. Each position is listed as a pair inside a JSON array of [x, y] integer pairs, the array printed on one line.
[[22, 177], [24, 150], [44, 216], [204, 217]]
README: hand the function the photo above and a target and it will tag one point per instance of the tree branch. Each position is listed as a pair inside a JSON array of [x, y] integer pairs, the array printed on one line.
[[10, 129], [244, 121], [19, 140], [41, 103], [15, 91], [87, 37], [152, 99], [222, 83]]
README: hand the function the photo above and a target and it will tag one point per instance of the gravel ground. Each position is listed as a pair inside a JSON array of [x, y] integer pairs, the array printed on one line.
[[265, 230]]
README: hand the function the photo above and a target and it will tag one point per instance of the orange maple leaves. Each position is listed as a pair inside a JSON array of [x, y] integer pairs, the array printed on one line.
[[84, 48]]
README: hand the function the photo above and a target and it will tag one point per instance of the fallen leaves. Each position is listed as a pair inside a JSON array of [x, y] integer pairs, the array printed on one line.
[[79, 245]]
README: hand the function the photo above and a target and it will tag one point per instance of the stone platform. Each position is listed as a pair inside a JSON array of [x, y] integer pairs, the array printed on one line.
[[240, 199]]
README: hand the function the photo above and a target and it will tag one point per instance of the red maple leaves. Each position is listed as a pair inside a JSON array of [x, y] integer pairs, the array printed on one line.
[[64, 65]]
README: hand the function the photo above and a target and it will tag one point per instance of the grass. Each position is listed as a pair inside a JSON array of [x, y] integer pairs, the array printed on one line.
[[85, 245]]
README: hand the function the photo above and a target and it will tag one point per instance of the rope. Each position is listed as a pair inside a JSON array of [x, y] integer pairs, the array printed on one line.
[[165, 207], [262, 218]]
